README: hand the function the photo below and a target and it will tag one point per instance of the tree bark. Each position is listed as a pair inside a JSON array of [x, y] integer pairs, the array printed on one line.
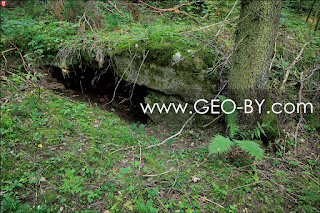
[[254, 45]]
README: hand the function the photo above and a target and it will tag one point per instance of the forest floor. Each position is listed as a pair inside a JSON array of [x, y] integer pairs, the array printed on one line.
[[62, 155]]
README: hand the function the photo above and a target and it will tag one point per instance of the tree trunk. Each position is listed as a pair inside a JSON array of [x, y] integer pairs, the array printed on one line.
[[255, 38]]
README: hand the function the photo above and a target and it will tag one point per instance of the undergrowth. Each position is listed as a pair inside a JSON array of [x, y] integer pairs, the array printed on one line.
[[62, 155], [221, 144], [99, 28]]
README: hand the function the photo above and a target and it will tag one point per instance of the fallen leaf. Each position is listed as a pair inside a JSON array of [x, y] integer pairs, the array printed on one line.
[[195, 179], [128, 205]]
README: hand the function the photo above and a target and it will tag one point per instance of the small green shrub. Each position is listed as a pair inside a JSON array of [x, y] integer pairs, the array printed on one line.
[[72, 183], [220, 144]]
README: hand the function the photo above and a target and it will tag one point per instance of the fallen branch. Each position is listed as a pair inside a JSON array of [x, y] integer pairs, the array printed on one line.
[[312, 72], [114, 6], [210, 201], [282, 188], [244, 186], [136, 79], [216, 35], [24, 79], [131, 147], [174, 9], [140, 157], [5, 59], [184, 125], [274, 56], [4, 51], [211, 122], [21, 56], [175, 181], [118, 83], [206, 27], [157, 174], [4, 103], [301, 117], [162, 204], [291, 66], [86, 21]]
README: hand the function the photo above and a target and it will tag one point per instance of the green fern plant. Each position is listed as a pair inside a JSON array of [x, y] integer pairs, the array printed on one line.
[[232, 119], [220, 144], [256, 131]]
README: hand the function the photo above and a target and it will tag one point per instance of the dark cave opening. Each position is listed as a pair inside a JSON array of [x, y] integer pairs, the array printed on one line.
[[101, 87]]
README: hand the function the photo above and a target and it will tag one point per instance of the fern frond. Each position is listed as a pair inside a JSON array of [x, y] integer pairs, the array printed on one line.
[[232, 119], [262, 131], [244, 135], [251, 147], [220, 145], [234, 129]]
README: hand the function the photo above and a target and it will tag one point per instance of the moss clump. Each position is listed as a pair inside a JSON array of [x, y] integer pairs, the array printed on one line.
[[161, 54]]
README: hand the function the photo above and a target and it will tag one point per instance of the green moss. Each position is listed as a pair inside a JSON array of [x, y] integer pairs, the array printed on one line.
[[161, 55], [48, 37]]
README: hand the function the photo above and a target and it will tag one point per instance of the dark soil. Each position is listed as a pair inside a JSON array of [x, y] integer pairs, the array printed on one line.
[[78, 85]]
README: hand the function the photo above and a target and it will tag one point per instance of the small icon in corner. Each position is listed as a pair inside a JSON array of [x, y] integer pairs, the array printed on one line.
[[3, 3]]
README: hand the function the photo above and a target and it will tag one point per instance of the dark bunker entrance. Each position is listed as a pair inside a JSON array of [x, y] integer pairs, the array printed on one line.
[[102, 87]]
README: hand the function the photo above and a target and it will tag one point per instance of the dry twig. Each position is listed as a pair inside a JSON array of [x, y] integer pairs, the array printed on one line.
[[174, 9], [209, 43], [4, 51], [291, 66], [114, 6], [175, 181], [162, 204], [210, 201], [301, 117], [131, 147], [140, 157], [115, 89], [206, 27], [21, 56], [136, 79], [157, 174], [86, 21], [184, 125]]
